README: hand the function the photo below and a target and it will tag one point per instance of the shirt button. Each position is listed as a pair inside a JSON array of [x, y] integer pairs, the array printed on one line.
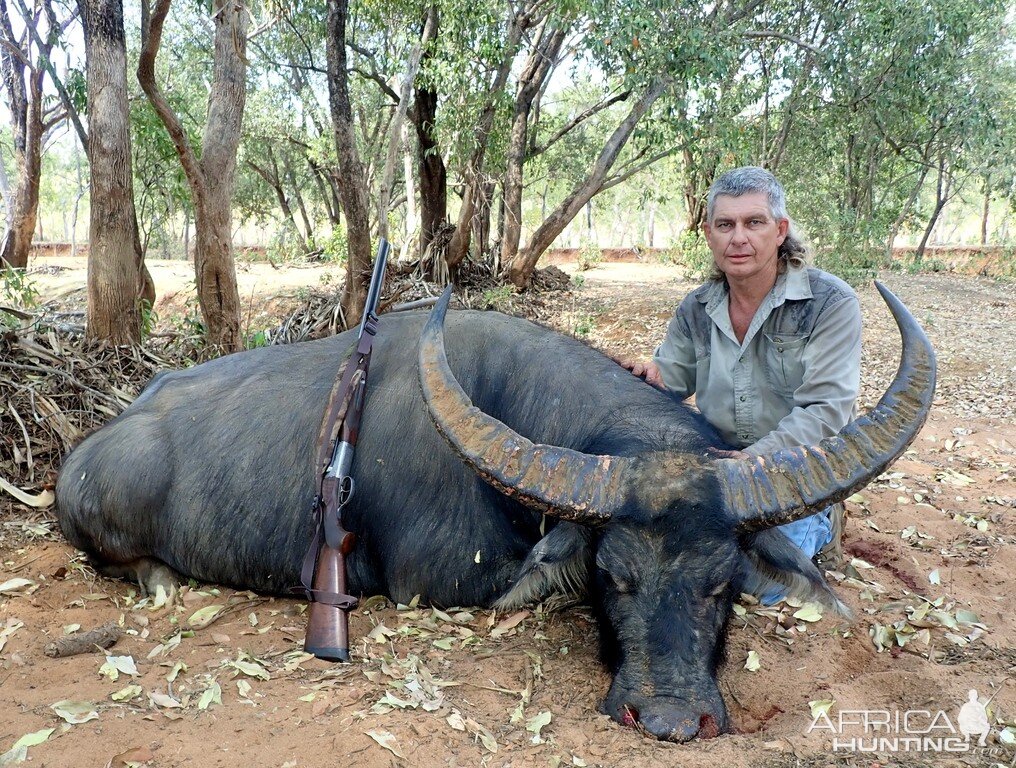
[[743, 398], [779, 349]]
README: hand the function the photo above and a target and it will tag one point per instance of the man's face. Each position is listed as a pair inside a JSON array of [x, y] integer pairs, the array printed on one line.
[[744, 237]]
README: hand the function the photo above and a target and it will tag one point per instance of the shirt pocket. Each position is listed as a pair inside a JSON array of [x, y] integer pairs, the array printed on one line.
[[784, 356]]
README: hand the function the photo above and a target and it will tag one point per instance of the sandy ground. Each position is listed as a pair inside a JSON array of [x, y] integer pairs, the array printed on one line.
[[218, 678]]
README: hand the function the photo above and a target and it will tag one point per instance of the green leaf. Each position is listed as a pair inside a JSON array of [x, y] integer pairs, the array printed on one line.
[[211, 695], [202, 617], [820, 707], [537, 723], [809, 612], [33, 739], [128, 693]]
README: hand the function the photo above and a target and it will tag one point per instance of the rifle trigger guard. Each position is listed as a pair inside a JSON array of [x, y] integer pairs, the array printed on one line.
[[346, 488]]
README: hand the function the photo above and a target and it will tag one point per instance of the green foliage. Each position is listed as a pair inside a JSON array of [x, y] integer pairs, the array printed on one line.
[[589, 256], [18, 288], [255, 339], [692, 252], [149, 318], [499, 298], [583, 325], [336, 247], [285, 247]]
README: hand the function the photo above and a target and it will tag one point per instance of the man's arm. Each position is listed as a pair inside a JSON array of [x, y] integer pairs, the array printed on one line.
[[824, 402], [674, 359]]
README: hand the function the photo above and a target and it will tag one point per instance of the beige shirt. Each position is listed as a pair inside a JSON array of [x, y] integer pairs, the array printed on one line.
[[792, 381]]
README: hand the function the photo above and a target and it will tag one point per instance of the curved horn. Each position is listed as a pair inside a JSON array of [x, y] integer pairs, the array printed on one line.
[[796, 482], [557, 481]]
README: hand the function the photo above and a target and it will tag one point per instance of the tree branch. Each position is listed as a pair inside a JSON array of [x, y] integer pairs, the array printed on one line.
[[782, 36], [151, 39], [577, 120]]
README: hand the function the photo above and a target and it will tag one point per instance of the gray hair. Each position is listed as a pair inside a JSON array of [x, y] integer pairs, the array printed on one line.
[[751, 179]]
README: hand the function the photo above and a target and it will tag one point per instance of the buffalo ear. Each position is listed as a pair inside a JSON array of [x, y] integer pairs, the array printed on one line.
[[560, 562], [773, 562]]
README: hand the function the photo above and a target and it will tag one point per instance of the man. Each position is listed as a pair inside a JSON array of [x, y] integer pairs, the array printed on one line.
[[770, 347]]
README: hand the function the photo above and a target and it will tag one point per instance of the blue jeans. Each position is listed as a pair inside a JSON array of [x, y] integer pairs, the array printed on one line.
[[810, 534]]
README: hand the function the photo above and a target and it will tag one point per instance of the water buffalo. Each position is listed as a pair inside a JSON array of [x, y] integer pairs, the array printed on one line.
[[210, 474]]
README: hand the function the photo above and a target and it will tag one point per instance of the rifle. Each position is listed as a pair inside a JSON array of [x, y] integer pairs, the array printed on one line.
[[324, 565]]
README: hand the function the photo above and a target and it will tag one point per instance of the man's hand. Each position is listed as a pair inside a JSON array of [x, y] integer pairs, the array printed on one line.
[[646, 369], [722, 454]]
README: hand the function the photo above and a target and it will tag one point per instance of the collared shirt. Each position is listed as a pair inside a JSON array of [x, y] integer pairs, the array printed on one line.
[[792, 381]]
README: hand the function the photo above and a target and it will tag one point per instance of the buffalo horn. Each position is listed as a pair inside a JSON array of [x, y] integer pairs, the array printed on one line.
[[560, 482], [796, 482]]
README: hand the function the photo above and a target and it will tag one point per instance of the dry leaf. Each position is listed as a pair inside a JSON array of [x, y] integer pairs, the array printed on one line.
[[821, 707], [75, 712], [753, 663], [135, 756], [387, 740], [505, 625]]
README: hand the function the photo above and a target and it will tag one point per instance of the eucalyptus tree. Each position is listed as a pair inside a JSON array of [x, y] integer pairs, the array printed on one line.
[[118, 281], [23, 63], [211, 175]]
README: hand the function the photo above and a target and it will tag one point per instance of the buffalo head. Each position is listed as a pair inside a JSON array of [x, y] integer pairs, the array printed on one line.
[[666, 540]]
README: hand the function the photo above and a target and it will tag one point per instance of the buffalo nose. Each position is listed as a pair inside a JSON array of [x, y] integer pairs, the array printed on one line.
[[668, 727]]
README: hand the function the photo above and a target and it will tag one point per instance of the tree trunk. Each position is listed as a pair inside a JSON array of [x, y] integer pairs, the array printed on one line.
[[458, 248], [212, 178], [117, 278], [433, 175], [895, 228], [521, 270], [537, 68], [984, 210], [23, 88], [941, 197], [352, 183], [395, 127]]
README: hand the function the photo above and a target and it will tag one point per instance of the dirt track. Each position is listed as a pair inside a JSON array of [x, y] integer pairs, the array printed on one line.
[[443, 689]]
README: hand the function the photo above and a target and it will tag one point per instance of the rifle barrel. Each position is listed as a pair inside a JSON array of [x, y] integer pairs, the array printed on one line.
[[374, 292]]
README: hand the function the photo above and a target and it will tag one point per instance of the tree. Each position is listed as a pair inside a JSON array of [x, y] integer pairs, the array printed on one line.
[[117, 279], [212, 177], [22, 61], [352, 182]]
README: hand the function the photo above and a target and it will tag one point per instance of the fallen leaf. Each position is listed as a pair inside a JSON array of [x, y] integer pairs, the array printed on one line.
[[387, 740], [132, 757], [934, 577], [176, 670], [211, 695], [753, 663], [160, 699], [128, 693], [123, 664], [33, 739], [821, 707], [505, 625], [537, 723], [14, 586], [9, 628], [13, 756], [809, 612], [455, 721], [75, 712], [251, 669], [202, 617]]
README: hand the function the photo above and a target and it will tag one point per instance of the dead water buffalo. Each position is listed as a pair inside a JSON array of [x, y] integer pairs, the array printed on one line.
[[210, 472]]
